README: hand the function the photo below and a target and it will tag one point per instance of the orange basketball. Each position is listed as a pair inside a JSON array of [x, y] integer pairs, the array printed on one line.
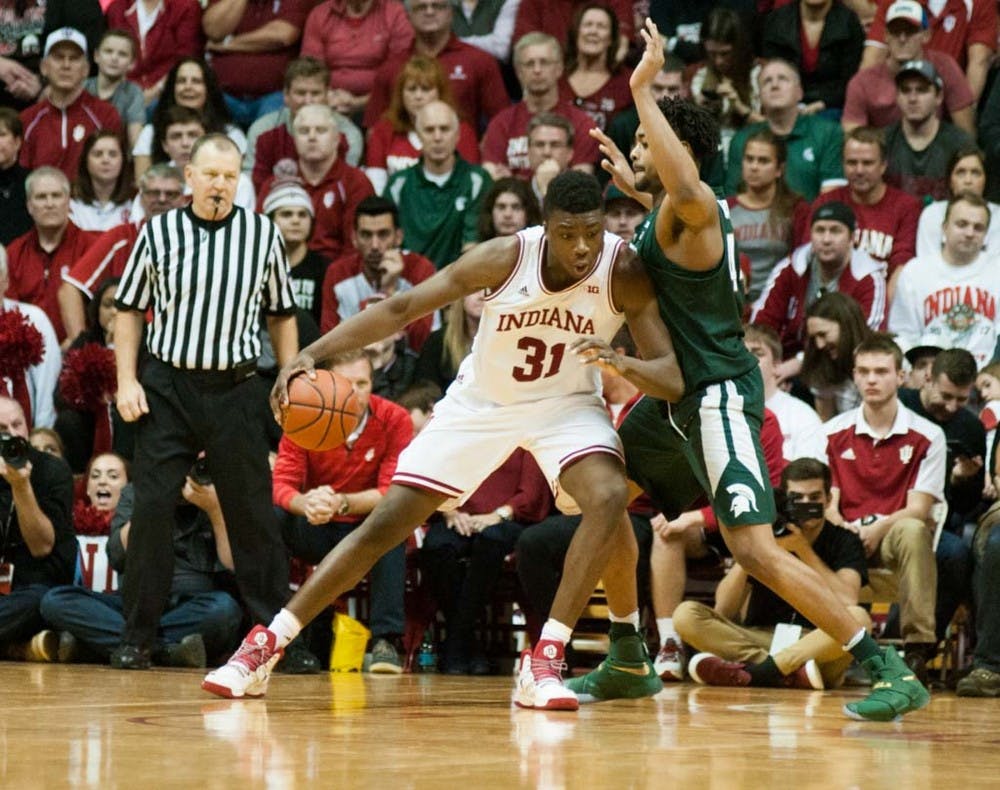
[[321, 412]]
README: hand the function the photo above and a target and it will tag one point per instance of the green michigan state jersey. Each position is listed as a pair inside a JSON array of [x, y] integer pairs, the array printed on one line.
[[702, 309]]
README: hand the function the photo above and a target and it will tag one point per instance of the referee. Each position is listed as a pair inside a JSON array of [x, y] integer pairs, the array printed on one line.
[[205, 272]]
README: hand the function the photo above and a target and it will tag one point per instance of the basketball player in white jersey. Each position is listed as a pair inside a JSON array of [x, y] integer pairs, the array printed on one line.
[[532, 380]]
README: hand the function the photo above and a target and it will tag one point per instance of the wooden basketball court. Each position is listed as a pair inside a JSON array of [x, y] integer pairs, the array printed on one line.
[[84, 726]]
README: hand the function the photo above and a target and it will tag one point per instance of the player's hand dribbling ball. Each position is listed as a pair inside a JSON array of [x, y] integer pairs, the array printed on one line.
[[321, 412]]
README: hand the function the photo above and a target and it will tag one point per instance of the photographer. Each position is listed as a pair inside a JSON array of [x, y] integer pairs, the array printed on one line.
[[37, 545], [752, 637], [200, 617]]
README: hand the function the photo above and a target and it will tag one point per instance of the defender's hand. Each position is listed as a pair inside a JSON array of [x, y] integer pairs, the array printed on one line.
[[302, 364]]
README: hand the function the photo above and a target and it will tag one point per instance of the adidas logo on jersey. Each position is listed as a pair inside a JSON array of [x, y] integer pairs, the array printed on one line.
[[523, 290]]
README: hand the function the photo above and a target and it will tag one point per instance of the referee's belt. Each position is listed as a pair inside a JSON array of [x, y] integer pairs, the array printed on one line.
[[221, 378]]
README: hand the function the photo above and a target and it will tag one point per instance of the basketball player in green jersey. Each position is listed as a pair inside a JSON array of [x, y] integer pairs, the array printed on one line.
[[689, 251]]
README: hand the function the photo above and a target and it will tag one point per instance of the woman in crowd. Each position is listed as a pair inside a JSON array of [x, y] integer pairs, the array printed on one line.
[[594, 80], [46, 440], [834, 328], [726, 84], [508, 207], [447, 347], [102, 191], [966, 173], [191, 83], [765, 211], [106, 476], [393, 145]]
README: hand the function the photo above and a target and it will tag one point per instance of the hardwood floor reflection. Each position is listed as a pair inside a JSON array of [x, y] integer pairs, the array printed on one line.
[[77, 726]]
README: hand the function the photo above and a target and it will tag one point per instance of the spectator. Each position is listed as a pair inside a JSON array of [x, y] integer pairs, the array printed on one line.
[[538, 63], [888, 504], [39, 498], [201, 618], [14, 217], [989, 139], [486, 24], [106, 476], [984, 679], [190, 83], [167, 31], [736, 636], [476, 82], [920, 145], [46, 440], [988, 389], [114, 56], [947, 299], [799, 423], [813, 142], [19, 41], [271, 147], [824, 40], [463, 554], [394, 364], [57, 124], [448, 346], [765, 212], [828, 263], [290, 208], [251, 43], [354, 38], [393, 143], [834, 328], [871, 93], [555, 17], [161, 188], [680, 23], [38, 259], [376, 266], [102, 191], [886, 217], [967, 31], [39, 380], [622, 214], [508, 207], [334, 186], [87, 16], [727, 84], [921, 359], [326, 495], [942, 400], [447, 189], [550, 148], [966, 173], [594, 80]]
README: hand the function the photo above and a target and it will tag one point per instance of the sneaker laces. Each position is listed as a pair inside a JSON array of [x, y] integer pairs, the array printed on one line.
[[250, 657], [548, 670]]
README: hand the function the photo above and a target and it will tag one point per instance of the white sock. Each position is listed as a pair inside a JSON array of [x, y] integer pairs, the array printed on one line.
[[285, 626], [854, 640], [632, 618], [665, 626], [554, 631]]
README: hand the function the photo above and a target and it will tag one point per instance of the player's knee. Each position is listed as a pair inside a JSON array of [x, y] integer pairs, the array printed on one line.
[[607, 498]]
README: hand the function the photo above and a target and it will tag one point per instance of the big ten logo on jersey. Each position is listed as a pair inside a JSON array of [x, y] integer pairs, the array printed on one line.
[[517, 153], [304, 292], [94, 572]]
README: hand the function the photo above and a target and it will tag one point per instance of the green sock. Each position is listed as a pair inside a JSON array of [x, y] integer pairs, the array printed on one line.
[[865, 648], [619, 630], [766, 673]]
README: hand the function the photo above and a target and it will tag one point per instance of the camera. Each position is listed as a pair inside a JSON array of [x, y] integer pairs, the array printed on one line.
[[14, 450], [199, 472], [793, 511]]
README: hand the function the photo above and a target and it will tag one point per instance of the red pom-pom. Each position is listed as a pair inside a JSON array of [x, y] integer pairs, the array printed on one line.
[[88, 520], [21, 345], [89, 381]]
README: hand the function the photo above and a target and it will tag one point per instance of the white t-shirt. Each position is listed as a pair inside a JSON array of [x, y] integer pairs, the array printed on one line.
[[800, 424], [94, 216]]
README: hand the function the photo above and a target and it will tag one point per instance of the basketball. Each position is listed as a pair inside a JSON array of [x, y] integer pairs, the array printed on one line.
[[321, 412]]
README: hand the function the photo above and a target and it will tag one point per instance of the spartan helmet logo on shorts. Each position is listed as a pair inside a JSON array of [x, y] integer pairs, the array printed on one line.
[[743, 499]]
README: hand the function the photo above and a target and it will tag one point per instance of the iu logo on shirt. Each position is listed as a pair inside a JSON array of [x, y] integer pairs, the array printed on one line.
[[906, 453]]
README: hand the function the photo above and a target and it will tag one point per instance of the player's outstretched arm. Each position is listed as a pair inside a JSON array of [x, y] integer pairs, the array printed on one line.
[[616, 163], [692, 202], [486, 265]]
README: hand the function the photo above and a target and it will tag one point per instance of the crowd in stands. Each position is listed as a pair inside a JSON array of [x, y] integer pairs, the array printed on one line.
[[860, 171]]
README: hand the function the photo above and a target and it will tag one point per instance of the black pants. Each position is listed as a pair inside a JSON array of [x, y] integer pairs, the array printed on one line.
[[462, 572], [188, 412], [541, 552]]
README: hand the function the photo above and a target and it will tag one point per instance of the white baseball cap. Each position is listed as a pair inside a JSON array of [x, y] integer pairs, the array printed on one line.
[[68, 34], [910, 10]]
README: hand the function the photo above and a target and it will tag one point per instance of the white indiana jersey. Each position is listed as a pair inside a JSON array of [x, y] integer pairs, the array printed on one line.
[[521, 350]]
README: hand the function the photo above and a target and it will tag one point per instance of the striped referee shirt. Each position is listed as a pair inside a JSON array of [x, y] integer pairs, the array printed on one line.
[[206, 283]]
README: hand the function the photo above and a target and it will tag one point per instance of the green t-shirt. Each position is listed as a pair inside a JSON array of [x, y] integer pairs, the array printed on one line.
[[702, 309]]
